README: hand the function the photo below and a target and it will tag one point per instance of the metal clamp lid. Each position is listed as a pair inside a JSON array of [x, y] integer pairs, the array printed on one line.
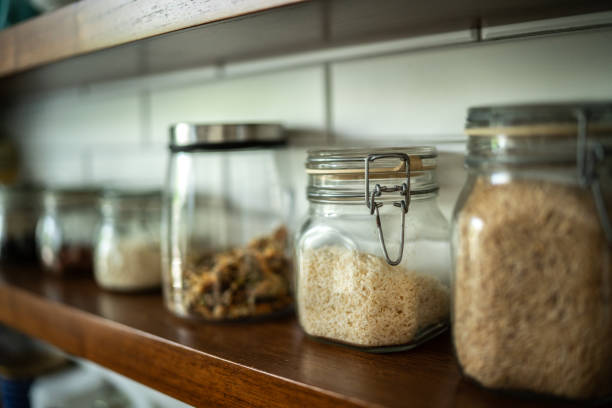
[[589, 156], [370, 200]]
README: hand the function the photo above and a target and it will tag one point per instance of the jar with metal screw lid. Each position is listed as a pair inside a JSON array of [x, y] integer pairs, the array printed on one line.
[[225, 241], [372, 257]]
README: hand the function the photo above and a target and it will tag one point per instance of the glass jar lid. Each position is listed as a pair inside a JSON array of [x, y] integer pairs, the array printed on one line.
[[339, 174], [195, 137], [21, 196], [130, 200], [536, 133], [573, 135], [72, 197], [373, 178]]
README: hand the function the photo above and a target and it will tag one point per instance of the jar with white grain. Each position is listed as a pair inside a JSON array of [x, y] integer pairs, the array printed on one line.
[[127, 253], [372, 257]]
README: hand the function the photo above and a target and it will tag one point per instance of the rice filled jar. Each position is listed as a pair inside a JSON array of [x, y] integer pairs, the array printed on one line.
[[373, 257], [532, 291]]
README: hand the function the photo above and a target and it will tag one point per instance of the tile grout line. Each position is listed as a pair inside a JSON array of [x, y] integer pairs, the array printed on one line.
[[145, 117], [328, 102]]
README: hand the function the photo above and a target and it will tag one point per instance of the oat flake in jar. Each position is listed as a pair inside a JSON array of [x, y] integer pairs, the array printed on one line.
[[532, 290], [373, 257]]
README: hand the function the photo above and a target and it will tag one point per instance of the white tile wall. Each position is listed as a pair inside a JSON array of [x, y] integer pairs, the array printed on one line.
[[426, 94], [293, 97], [401, 92]]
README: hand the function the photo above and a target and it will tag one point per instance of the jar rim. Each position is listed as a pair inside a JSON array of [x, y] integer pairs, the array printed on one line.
[[544, 118], [351, 161], [548, 133], [339, 175], [186, 137]]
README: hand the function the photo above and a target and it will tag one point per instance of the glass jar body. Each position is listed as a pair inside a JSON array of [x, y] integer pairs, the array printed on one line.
[[20, 209], [66, 232], [225, 246], [346, 291], [531, 300], [127, 255]]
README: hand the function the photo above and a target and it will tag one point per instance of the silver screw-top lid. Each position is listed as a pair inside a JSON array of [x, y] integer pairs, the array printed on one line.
[[190, 137]]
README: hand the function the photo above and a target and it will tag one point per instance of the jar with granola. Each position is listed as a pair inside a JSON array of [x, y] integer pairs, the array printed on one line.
[[532, 292], [224, 235]]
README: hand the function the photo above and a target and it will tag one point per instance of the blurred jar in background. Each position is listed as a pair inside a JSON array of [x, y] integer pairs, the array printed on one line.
[[127, 253], [20, 208], [9, 161], [67, 228]]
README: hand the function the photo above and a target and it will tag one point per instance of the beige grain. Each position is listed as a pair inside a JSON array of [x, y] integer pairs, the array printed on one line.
[[532, 299], [359, 299]]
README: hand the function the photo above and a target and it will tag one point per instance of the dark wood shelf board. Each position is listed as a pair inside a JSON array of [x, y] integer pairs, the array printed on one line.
[[266, 364], [131, 38]]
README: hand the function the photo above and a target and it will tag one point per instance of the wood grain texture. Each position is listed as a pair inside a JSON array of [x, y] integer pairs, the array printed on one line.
[[266, 364], [165, 35], [91, 25]]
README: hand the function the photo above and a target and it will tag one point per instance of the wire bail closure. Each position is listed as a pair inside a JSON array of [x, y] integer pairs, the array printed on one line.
[[590, 155], [404, 204]]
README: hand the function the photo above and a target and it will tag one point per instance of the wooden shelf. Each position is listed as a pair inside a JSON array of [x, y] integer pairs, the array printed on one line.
[[269, 364], [95, 40]]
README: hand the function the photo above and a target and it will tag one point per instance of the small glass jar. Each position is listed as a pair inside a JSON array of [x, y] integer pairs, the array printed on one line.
[[20, 208], [532, 290], [127, 254], [66, 230], [373, 256], [224, 250]]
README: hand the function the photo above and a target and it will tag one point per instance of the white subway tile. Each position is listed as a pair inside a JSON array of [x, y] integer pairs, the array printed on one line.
[[77, 117], [54, 165], [426, 94], [295, 98], [130, 166]]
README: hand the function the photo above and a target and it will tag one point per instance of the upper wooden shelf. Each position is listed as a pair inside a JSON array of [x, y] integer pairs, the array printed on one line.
[[96, 40], [270, 364]]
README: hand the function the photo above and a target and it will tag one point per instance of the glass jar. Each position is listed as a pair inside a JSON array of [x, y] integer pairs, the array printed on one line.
[[373, 256], [20, 208], [127, 254], [532, 291], [224, 249], [66, 230]]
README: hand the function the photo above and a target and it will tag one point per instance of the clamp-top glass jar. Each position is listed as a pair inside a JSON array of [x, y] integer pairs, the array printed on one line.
[[532, 291], [224, 249], [373, 257]]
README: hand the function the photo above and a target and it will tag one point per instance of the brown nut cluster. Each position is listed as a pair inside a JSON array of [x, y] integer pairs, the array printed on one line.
[[241, 282]]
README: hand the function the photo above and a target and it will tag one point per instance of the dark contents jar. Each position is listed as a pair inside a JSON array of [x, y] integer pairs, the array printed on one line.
[[66, 231], [20, 209]]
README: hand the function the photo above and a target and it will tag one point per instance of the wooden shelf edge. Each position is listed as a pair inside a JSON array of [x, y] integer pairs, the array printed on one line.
[[92, 25], [193, 376], [258, 364]]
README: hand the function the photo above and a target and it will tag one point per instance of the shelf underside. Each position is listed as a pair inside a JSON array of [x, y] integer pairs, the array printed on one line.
[[92, 41]]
